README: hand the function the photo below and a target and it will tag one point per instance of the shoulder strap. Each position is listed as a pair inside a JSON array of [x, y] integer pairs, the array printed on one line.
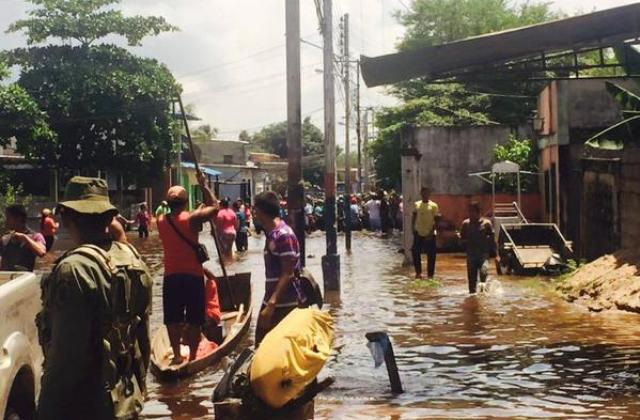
[[181, 235], [97, 254]]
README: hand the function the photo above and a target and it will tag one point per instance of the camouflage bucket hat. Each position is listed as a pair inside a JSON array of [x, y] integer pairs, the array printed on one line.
[[87, 196]]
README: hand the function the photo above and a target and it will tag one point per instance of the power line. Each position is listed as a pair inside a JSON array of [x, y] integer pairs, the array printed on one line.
[[230, 131], [229, 63], [246, 83], [240, 60]]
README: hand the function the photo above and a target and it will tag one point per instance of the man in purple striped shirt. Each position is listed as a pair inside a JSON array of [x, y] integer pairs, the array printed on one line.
[[282, 262]]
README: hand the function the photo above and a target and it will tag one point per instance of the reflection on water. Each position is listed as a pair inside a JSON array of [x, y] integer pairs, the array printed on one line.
[[522, 353]]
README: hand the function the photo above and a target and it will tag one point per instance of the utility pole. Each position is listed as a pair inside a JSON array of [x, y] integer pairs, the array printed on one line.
[[359, 127], [365, 171], [295, 200], [347, 130], [331, 261]]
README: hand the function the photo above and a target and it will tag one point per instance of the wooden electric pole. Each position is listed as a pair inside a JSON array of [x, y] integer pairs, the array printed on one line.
[[347, 130], [295, 190], [331, 261], [359, 127]]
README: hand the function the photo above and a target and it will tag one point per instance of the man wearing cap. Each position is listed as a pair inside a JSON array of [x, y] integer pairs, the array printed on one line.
[[183, 292], [20, 247], [94, 324]]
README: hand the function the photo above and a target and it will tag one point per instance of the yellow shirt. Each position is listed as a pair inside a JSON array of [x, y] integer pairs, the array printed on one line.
[[426, 217]]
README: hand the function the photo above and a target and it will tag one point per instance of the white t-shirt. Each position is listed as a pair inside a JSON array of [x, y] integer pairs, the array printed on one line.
[[373, 207]]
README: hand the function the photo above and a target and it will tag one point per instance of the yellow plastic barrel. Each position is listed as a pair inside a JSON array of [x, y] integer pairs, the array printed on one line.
[[291, 356]]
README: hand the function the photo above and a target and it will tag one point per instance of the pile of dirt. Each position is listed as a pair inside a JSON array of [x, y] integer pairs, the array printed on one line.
[[610, 282]]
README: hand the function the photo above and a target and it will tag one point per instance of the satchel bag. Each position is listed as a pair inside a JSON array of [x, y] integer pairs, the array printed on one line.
[[201, 251]]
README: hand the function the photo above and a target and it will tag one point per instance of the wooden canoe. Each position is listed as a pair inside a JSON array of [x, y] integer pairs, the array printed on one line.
[[236, 325]]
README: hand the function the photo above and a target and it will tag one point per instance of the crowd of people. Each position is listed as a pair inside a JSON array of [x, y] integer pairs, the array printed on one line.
[[94, 323], [379, 211], [104, 274]]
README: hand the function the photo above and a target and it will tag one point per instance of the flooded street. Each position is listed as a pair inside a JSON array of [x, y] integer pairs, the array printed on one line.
[[520, 353]]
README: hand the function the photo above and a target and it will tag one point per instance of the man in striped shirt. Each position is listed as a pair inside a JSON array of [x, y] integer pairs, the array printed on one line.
[[282, 262]]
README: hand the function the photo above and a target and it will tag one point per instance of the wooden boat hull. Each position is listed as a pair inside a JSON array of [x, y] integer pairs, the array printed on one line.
[[237, 327]]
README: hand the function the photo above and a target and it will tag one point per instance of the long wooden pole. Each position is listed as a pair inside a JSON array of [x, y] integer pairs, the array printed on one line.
[[213, 229], [359, 127]]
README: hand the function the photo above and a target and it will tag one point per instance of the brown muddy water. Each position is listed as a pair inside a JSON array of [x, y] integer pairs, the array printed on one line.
[[516, 353]]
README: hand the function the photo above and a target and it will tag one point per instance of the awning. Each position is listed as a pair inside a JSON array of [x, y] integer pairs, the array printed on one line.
[[204, 169], [603, 29]]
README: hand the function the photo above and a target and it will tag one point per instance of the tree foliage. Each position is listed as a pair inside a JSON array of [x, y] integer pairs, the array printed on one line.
[[10, 194], [108, 108], [443, 106], [20, 116], [86, 21], [435, 22], [244, 136], [205, 132], [524, 153], [273, 139]]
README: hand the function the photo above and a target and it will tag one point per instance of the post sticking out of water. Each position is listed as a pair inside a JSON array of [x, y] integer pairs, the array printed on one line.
[[331, 261], [381, 339]]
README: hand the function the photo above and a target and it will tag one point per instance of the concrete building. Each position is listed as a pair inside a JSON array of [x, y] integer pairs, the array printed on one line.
[[233, 170], [581, 185], [442, 158]]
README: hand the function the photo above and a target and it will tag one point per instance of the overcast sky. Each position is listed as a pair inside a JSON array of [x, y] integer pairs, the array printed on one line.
[[230, 56]]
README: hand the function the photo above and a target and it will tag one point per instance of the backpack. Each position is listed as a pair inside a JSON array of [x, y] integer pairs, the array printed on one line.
[[122, 317]]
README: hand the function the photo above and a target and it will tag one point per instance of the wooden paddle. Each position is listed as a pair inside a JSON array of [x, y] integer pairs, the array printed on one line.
[[213, 229]]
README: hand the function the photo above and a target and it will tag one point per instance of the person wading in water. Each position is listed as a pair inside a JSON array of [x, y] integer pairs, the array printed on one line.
[[183, 292], [282, 261], [227, 227], [479, 240], [48, 228], [425, 217]]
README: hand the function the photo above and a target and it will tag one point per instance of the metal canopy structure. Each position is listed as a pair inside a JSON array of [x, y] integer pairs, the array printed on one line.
[[501, 168], [554, 50]]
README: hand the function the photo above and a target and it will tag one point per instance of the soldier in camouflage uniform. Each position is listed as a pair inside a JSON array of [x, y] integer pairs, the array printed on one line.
[[94, 326]]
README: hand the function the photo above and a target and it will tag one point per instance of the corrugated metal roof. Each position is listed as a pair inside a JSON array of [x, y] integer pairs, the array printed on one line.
[[600, 29], [204, 169]]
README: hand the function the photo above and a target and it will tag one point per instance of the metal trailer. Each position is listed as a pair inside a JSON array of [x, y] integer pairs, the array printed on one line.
[[522, 246], [525, 247]]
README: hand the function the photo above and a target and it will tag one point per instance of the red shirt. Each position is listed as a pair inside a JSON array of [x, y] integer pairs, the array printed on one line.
[[144, 218], [49, 227], [226, 221], [179, 256]]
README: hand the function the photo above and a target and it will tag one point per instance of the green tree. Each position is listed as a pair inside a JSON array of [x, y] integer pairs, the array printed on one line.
[[108, 108], [86, 21], [524, 153], [205, 132], [434, 22], [273, 139], [445, 105], [21, 117], [9, 195], [244, 136]]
